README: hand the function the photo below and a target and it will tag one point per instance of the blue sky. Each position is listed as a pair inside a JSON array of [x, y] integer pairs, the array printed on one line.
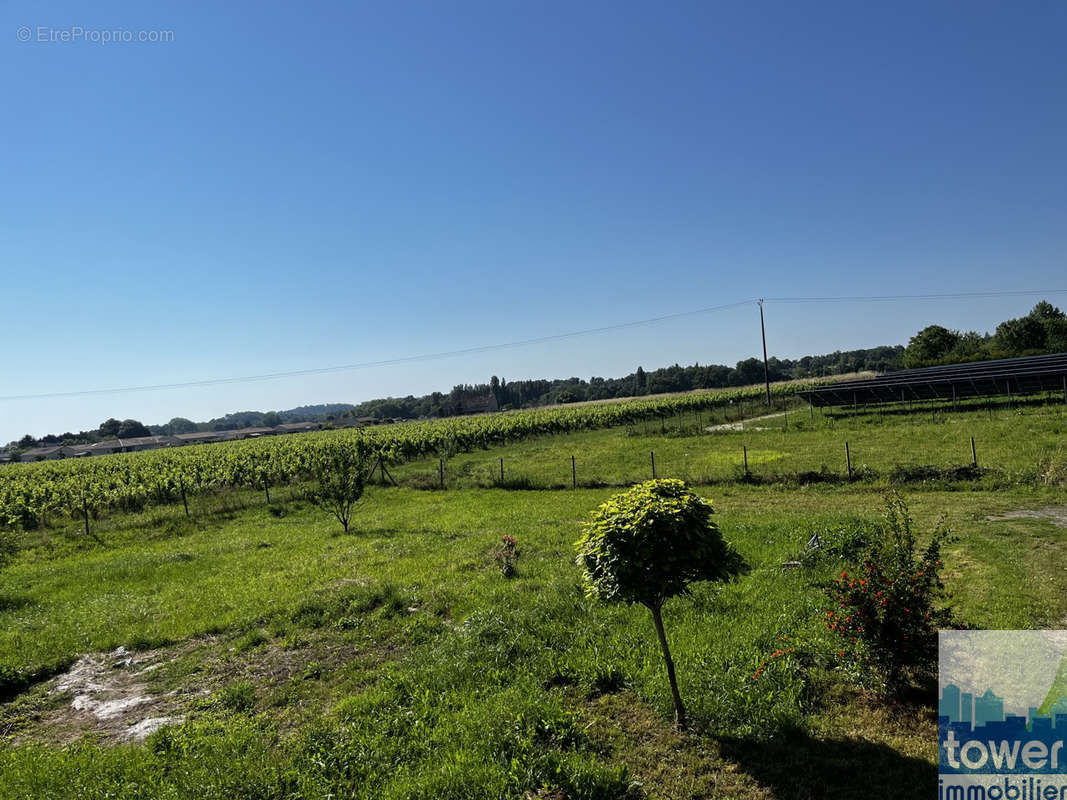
[[285, 186]]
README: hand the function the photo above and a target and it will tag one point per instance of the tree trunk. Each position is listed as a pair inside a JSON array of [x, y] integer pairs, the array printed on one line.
[[679, 709]]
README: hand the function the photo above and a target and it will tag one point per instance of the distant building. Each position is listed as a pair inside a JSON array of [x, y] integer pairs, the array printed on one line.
[[148, 443], [52, 453], [201, 438], [298, 427], [478, 405], [249, 433]]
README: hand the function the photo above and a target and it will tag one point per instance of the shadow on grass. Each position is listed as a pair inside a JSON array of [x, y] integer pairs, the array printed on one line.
[[14, 602], [803, 768]]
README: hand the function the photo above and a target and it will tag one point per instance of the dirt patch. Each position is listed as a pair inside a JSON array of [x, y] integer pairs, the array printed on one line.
[[740, 424], [1057, 515], [109, 696]]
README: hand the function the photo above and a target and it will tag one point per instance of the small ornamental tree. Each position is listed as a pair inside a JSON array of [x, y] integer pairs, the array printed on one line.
[[648, 544], [338, 473]]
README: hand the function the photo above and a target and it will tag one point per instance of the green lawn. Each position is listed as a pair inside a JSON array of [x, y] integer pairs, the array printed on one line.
[[397, 662]]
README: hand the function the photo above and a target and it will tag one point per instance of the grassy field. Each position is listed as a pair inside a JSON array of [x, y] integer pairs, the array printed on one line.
[[397, 662], [1023, 445]]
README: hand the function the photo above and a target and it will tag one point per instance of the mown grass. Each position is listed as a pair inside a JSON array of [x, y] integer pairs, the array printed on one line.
[[397, 662]]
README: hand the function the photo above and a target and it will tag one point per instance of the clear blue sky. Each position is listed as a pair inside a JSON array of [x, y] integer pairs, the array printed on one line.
[[286, 186]]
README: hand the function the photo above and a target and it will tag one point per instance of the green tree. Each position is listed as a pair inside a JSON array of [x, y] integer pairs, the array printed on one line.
[[640, 382], [646, 545], [110, 428], [272, 419], [1054, 322], [131, 429], [338, 473], [1056, 335], [931, 344], [1046, 311], [180, 425], [747, 372], [1020, 335]]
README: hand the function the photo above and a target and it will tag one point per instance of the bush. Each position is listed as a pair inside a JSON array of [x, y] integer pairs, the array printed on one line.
[[506, 555], [888, 611], [843, 539]]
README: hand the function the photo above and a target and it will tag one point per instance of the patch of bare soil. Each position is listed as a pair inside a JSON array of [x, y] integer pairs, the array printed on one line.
[[109, 696], [124, 696], [740, 424], [1055, 514]]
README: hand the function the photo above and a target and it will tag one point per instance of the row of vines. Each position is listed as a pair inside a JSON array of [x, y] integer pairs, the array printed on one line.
[[32, 493]]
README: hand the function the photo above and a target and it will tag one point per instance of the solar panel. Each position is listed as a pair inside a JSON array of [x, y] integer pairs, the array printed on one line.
[[1006, 376]]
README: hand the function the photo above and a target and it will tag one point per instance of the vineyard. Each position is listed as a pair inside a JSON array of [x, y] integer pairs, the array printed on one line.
[[31, 494]]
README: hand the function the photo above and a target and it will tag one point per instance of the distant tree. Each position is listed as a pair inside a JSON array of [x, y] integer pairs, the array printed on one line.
[[272, 419], [27, 442], [747, 372], [1016, 336], [646, 545], [1046, 311], [181, 425], [640, 382], [110, 428], [1056, 335], [931, 344], [131, 429], [1055, 324]]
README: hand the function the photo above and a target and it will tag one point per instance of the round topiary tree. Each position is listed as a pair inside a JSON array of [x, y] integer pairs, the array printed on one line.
[[648, 544]]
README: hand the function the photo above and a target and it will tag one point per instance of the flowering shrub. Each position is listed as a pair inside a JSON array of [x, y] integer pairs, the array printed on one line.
[[887, 612], [506, 555]]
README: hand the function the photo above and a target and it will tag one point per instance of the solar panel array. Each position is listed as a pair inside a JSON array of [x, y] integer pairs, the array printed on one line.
[[1007, 376]]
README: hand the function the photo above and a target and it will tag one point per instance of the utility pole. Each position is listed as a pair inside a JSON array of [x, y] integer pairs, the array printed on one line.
[[766, 369]]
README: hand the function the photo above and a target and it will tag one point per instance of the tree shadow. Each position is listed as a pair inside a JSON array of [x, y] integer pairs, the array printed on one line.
[[799, 767]]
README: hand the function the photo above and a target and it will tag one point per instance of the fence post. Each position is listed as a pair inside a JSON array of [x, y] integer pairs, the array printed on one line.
[[181, 483], [574, 475], [501, 470], [974, 453], [441, 472], [744, 454], [653, 454], [848, 460], [266, 487]]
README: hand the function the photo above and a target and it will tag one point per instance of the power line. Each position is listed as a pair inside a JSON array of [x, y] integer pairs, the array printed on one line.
[[522, 342], [371, 364], [892, 297]]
